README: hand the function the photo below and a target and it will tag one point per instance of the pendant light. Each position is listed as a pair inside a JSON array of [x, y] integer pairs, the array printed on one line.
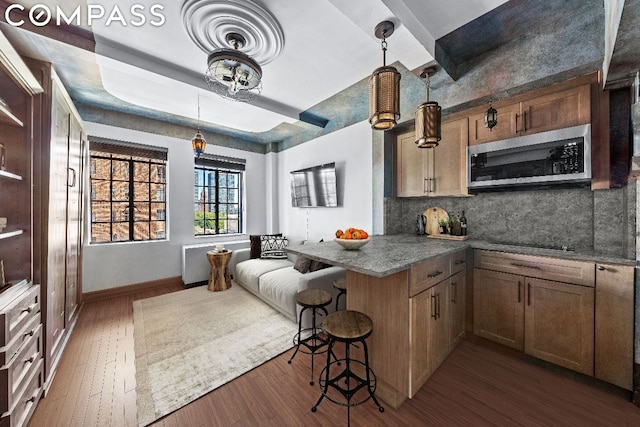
[[384, 87], [491, 117], [198, 143], [428, 117]]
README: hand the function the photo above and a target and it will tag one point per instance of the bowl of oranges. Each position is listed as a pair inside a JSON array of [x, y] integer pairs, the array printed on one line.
[[352, 238]]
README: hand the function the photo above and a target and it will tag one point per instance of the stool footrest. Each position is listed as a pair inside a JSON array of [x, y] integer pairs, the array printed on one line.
[[355, 382]]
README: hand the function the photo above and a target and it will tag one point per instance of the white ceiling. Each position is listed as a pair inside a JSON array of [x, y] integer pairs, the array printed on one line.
[[329, 46]]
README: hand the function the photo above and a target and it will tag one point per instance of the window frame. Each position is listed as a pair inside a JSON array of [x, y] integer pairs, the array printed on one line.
[[133, 155], [218, 165]]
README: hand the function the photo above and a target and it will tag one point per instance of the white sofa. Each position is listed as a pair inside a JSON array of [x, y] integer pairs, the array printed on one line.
[[276, 282]]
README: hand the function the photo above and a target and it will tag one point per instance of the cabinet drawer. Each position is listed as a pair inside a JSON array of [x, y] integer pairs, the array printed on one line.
[[429, 273], [19, 369], [458, 262], [18, 313], [559, 270], [20, 338], [27, 399]]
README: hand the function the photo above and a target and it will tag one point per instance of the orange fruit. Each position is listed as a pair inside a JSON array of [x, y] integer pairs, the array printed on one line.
[[356, 234], [364, 235], [339, 233]]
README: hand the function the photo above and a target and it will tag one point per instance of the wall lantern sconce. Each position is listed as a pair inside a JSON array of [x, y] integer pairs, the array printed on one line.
[[198, 143], [384, 87], [491, 117], [428, 117]]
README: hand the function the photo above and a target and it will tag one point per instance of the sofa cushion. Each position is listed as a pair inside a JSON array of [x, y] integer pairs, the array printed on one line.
[[273, 247], [256, 244], [248, 272], [302, 264], [280, 288]]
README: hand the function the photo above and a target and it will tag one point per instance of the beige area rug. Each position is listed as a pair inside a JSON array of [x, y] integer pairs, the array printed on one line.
[[190, 342]]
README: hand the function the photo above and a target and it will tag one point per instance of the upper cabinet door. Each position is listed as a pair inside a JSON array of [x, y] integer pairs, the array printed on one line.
[[509, 123], [558, 110], [449, 160], [411, 173]]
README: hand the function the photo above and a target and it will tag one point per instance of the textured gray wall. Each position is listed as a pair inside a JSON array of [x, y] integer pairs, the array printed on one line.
[[579, 218]]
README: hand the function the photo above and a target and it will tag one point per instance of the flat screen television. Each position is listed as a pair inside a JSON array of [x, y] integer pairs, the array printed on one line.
[[314, 187]]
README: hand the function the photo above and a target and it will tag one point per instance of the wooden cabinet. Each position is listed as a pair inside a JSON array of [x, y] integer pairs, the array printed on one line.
[[21, 364], [614, 319], [535, 112], [547, 319], [437, 314], [558, 324], [21, 373], [457, 307], [498, 311], [57, 226], [439, 171]]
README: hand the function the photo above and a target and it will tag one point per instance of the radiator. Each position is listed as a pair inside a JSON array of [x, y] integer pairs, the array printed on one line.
[[195, 266]]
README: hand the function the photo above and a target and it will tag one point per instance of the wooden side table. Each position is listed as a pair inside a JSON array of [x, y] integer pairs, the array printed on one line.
[[219, 278]]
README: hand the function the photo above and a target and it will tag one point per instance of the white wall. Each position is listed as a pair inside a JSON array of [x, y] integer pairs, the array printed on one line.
[[351, 149], [111, 265]]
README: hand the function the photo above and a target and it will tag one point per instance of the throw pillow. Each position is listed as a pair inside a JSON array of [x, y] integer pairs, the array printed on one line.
[[317, 265], [273, 247], [302, 264], [256, 244]]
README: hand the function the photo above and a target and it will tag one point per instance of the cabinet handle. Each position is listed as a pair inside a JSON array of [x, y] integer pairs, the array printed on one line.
[[424, 185], [519, 286], [73, 179], [31, 359], [601, 268], [30, 333], [528, 293], [455, 292], [432, 185], [524, 122], [517, 115], [30, 308], [432, 275], [535, 267], [438, 300], [459, 262], [433, 307]]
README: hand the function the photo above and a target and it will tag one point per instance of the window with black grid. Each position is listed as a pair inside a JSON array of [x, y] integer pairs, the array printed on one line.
[[128, 191], [218, 184]]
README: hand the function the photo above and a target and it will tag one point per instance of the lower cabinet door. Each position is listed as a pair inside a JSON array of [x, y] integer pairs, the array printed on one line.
[[559, 324], [439, 325], [421, 310], [457, 308], [498, 309]]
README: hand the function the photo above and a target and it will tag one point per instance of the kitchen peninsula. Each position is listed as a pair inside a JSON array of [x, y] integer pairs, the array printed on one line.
[[413, 289], [418, 292]]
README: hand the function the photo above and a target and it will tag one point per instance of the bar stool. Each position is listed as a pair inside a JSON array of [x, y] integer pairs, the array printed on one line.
[[314, 300], [348, 326], [341, 286]]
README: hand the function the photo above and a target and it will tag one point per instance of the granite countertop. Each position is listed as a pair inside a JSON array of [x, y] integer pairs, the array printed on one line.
[[389, 254]]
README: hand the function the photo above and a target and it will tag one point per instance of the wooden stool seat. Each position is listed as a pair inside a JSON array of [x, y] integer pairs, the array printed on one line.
[[340, 284], [313, 298], [348, 325]]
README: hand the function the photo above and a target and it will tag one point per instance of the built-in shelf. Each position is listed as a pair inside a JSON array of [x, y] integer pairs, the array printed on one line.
[[10, 175], [8, 117], [10, 234]]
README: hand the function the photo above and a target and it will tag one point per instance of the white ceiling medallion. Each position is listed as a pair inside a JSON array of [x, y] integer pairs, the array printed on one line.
[[209, 22]]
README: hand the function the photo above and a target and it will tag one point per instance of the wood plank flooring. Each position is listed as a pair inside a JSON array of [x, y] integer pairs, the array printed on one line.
[[475, 386]]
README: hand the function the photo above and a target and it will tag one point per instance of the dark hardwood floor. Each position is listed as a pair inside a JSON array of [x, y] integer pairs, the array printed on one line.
[[476, 386]]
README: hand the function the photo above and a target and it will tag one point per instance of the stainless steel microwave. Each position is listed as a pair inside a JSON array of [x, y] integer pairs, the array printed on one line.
[[547, 158]]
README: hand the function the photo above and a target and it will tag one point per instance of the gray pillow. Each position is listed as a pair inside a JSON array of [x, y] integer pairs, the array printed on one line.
[[302, 264]]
